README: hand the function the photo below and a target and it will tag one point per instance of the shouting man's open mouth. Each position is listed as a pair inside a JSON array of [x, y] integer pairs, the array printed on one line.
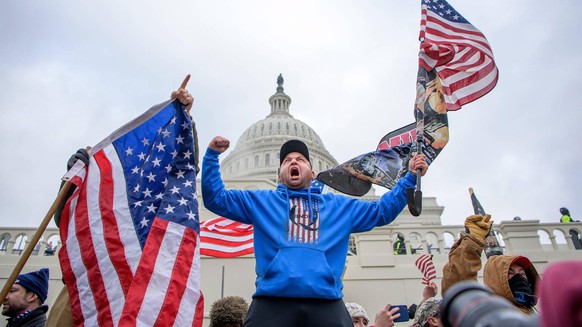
[[294, 172]]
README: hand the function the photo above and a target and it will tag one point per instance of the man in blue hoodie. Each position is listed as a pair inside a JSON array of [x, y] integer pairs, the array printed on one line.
[[300, 235]]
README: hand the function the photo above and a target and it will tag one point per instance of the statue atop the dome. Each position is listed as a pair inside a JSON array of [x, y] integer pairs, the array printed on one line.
[[280, 81]]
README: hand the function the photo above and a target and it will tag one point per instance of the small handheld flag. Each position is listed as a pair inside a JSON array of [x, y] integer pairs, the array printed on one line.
[[425, 265]]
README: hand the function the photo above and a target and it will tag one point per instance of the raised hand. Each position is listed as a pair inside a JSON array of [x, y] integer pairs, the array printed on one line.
[[183, 95], [478, 226], [386, 317], [219, 144]]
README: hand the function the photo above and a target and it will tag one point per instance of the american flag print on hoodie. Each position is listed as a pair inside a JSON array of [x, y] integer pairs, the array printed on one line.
[[303, 224]]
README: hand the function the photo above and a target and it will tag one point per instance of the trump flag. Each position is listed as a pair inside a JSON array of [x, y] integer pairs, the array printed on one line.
[[130, 231]]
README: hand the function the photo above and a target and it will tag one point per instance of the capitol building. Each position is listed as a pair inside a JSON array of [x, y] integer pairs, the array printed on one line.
[[373, 274]]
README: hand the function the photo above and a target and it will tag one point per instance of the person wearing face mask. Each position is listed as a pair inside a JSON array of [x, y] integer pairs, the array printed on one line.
[[300, 235], [512, 277]]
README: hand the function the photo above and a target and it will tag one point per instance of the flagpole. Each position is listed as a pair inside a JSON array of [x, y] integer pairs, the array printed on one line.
[[492, 244], [22, 261], [222, 284]]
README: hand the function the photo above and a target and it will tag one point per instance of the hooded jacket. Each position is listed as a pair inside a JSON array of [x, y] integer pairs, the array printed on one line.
[[465, 262], [300, 237], [495, 277]]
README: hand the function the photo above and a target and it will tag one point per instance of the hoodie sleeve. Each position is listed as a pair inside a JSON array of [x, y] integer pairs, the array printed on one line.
[[393, 202], [231, 204], [464, 262]]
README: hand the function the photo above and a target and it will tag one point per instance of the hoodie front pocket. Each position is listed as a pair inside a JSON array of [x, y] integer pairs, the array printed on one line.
[[299, 272]]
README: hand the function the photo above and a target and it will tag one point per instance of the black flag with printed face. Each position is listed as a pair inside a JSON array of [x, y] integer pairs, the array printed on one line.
[[390, 160]]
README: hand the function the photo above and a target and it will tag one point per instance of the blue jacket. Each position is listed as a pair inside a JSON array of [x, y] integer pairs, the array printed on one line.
[[300, 237]]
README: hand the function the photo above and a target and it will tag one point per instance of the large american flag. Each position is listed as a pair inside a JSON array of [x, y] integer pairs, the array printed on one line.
[[224, 238], [459, 52], [426, 267], [130, 253]]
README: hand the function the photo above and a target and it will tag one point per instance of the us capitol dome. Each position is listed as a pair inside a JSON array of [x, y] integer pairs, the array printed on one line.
[[256, 153]]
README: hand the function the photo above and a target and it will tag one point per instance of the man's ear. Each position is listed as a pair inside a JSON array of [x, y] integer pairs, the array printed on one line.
[[312, 174], [434, 321], [31, 297]]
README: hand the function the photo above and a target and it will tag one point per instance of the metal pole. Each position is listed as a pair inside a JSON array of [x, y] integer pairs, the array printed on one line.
[[222, 286]]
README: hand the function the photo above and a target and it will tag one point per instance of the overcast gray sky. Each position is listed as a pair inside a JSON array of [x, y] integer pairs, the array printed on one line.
[[71, 72]]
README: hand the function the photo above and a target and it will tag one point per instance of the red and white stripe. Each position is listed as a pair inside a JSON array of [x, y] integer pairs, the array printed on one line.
[[224, 238], [461, 55], [168, 269], [426, 266], [101, 255], [302, 216]]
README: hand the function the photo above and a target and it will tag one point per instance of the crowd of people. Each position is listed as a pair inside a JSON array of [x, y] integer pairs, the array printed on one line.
[[301, 240]]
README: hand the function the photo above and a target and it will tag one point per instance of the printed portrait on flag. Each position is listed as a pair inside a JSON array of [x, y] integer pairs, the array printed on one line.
[[430, 111], [382, 167], [389, 162]]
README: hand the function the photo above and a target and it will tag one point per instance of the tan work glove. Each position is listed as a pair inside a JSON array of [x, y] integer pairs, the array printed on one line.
[[478, 226]]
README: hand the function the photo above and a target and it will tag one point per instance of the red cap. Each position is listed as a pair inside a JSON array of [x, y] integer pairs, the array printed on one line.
[[522, 261]]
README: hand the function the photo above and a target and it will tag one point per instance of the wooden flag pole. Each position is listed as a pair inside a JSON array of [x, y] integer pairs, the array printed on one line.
[[34, 240]]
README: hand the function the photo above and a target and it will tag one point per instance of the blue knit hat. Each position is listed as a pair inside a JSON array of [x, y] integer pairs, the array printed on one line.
[[35, 282]]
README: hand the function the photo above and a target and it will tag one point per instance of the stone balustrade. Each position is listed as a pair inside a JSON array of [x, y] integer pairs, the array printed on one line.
[[14, 240], [373, 273], [514, 236]]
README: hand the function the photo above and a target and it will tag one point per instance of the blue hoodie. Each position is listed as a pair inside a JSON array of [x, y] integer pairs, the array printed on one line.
[[300, 237]]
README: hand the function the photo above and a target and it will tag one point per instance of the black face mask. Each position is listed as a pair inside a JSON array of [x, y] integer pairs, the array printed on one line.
[[522, 291]]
